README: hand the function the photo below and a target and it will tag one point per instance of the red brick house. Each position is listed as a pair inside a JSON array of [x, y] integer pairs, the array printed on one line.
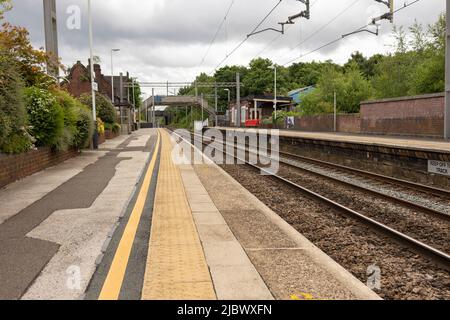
[[80, 83], [79, 77]]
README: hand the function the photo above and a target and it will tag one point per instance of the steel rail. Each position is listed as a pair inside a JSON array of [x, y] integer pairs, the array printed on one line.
[[403, 183], [438, 256], [403, 202]]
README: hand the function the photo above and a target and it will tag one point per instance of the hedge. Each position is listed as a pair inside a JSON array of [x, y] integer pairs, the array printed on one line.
[[14, 137]]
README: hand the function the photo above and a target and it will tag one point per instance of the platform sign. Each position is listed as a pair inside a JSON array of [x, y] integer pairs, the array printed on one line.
[[439, 167], [198, 125]]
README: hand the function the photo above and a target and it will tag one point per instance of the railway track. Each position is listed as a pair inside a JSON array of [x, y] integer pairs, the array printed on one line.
[[374, 176], [438, 256]]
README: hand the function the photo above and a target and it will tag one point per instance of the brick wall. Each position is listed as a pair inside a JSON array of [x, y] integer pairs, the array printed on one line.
[[415, 116], [350, 123], [421, 116], [16, 167]]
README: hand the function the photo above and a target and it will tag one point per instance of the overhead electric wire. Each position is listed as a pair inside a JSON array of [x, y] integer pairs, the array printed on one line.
[[327, 24], [278, 36], [247, 37], [340, 38], [218, 30]]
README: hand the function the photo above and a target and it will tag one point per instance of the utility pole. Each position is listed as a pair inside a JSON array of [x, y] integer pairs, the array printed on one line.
[[238, 100], [335, 112], [216, 98], [447, 76], [94, 109]]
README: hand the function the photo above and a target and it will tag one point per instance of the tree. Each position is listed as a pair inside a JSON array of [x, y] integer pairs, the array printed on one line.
[[366, 66], [260, 78], [350, 87], [137, 94], [5, 5], [31, 62]]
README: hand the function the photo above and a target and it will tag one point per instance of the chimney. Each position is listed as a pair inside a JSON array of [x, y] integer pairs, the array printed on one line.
[[97, 71]]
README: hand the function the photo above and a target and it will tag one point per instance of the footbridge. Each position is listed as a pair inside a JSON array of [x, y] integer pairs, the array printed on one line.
[[181, 101]]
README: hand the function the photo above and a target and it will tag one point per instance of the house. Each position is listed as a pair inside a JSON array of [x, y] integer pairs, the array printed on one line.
[[298, 94], [79, 83], [256, 108]]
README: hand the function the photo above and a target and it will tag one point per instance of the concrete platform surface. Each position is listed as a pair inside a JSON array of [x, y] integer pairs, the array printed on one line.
[[55, 223], [377, 140]]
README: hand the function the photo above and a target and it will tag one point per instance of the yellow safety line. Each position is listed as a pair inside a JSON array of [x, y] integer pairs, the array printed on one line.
[[113, 283], [176, 265]]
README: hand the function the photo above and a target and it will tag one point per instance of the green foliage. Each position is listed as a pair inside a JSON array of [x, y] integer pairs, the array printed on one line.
[[69, 106], [260, 78], [45, 116], [113, 127], [417, 66], [137, 94], [85, 126], [13, 134], [5, 5], [105, 109], [351, 88]]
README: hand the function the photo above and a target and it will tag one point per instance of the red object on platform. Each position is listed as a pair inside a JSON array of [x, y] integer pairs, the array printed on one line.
[[253, 123]]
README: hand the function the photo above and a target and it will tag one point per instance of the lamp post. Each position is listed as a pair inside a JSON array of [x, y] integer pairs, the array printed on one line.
[[275, 102], [112, 75], [94, 110]]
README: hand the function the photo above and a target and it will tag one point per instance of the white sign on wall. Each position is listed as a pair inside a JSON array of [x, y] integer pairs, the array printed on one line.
[[439, 167]]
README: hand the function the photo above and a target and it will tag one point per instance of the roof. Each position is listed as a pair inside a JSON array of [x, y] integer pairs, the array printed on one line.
[[266, 98]]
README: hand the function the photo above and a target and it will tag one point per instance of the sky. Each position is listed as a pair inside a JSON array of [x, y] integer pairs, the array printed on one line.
[[172, 40]]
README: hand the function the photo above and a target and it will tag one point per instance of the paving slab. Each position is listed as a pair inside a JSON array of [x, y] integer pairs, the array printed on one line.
[[233, 275], [289, 264], [61, 233]]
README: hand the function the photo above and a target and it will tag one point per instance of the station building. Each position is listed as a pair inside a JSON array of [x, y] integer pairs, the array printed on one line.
[[255, 108]]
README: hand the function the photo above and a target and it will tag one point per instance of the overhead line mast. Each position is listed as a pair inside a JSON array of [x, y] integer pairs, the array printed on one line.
[[303, 14]]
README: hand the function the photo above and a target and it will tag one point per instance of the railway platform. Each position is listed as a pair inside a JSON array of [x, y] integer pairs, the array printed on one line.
[[210, 239], [143, 227], [424, 161]]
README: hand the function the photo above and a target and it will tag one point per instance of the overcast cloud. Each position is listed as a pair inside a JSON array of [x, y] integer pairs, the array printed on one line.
[[166, 39]]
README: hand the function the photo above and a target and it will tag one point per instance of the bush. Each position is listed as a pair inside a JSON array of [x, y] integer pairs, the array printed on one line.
[[85, 126], [13, 135], [105, 109], [114, 128], [46, 117], [68, 104]]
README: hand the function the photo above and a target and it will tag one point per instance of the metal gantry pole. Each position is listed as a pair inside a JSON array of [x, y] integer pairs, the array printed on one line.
[[447, 76], [275, 101], [153, 109], [203, 115], [335, 112]]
